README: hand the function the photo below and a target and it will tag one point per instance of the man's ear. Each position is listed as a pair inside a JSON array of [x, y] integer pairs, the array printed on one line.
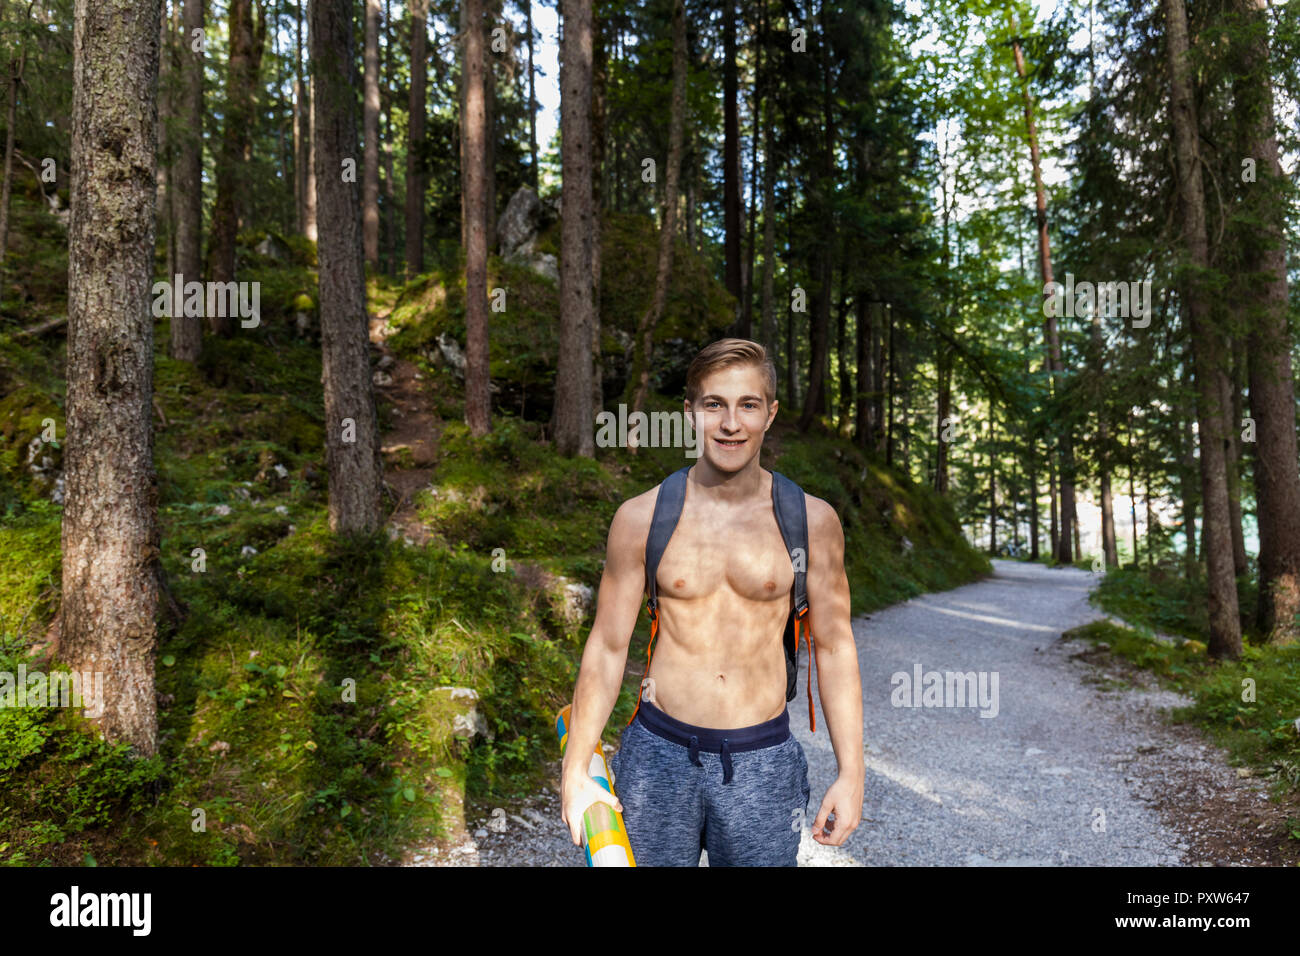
[[771, 416]]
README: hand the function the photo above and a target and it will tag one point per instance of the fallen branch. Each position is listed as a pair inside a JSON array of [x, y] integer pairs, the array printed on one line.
[[41, 329]]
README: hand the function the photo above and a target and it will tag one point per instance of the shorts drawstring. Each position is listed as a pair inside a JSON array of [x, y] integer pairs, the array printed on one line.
[[726, 762], [693, 751]]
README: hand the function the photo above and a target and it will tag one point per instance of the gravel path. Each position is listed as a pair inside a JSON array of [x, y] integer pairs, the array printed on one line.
[[1066, 773]]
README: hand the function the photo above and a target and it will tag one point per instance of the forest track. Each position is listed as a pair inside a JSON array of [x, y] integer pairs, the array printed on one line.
[[1077, 768], [410, 447]]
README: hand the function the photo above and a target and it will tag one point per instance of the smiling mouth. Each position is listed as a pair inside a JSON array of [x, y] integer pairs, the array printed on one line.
[[730, 442]]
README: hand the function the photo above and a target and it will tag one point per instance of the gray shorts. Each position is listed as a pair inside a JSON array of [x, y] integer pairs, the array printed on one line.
[[741, 793]]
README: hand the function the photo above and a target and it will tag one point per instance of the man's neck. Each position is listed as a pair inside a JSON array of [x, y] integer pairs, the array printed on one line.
[[724, 487]]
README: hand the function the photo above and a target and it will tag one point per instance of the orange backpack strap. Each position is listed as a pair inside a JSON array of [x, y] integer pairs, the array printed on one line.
[[649, 651], [800, 625]]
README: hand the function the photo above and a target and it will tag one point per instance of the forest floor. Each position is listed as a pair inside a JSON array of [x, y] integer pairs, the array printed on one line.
[[1081, 766]]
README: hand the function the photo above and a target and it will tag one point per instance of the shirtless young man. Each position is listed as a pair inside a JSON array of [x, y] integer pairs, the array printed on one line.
[[709, 761]]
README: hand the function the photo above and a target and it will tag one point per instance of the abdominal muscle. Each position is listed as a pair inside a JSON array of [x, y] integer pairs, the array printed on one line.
[[721, 665]]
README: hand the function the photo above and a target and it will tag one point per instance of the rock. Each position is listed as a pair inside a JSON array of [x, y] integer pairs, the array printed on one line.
[[480, 834], [547, 265], [452, 354], [247, 551], [470, 724], [281, 472], [520, 221], [385, 360], [275, 247], [281, 510], [381, 379], [221, 510], [577, 602], [907, 544]]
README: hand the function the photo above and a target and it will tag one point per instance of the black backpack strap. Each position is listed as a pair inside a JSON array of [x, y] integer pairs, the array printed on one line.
[[668, 508], [792, 519]]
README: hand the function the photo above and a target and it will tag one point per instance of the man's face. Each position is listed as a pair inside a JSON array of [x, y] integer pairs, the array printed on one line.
[[731, 415]]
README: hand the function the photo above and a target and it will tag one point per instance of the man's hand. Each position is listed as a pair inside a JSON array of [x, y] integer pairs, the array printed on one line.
[[578, 792], [844, 798]]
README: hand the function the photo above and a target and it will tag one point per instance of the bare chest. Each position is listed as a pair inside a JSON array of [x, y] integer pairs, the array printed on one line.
[[715, 552]]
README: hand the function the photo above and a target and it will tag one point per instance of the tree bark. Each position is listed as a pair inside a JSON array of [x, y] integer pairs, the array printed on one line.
[[419, 11], [246, 43], [351, 424], [1109, 547], [370, 135], [1060, 544], [862, 427], [1207, 344], [187, 331], [532, 101], [730, 158], [572, 420], [668, 230], [1272, 390], [599, 78], [16, 70], [110, 534], [474, 135]]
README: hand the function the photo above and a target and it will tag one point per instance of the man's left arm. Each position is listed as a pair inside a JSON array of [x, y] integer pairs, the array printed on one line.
[[839, 682]]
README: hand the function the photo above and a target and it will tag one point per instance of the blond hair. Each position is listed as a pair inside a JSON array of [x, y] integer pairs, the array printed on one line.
[[726, 353]]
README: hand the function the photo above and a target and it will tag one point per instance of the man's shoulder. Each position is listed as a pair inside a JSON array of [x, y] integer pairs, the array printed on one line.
[[635, 514]]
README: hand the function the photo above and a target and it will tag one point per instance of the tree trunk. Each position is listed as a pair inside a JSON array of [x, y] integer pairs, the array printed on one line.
[[474, 135], [1233, 402], [1207, 345], [1061, 544], [299, 124], [769, 219], [166, 111], [490, 132], [1272, 391], [942, 411], [668, 230], [993, 479], [110, 534], [862, 428], [730, 159], [390, 229], [246, 44], [532, 101], [600, 71], [1109, 547], [572, 417], [419, 10], [370, 135], [16, 69], [187, 331], [351, 425], [309, 201]]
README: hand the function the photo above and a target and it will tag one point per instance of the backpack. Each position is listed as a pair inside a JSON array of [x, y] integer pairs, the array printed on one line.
[[791, 518]]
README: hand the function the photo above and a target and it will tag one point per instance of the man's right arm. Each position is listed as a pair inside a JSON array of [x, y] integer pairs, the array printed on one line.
[[604, 658]]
